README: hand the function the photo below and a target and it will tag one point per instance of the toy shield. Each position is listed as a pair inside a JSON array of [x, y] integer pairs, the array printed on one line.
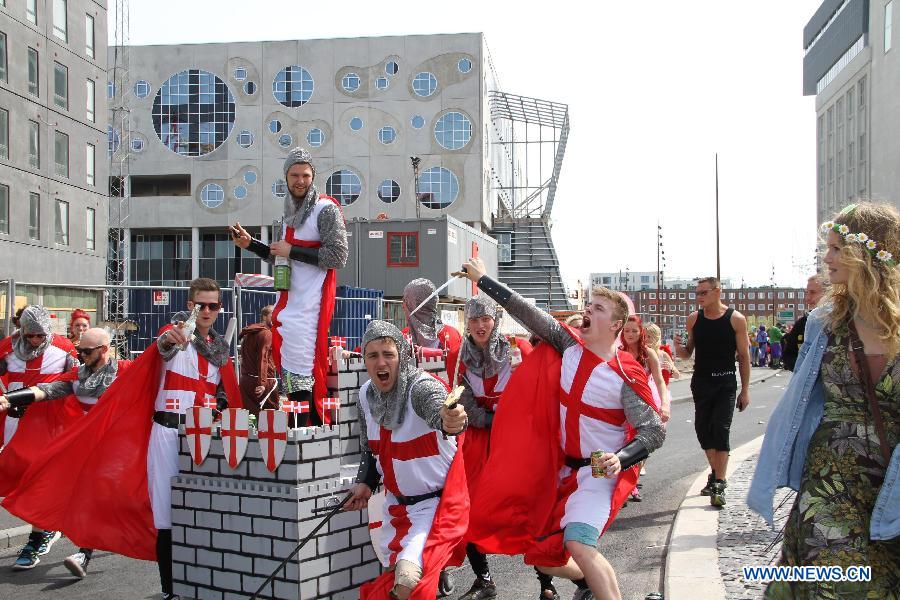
[[272, 433], [235, 430], [376, 514], [198, 429]]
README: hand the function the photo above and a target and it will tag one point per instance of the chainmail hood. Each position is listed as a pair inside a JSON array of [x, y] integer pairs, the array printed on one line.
[[297, 210], [34, 319], [425, 324], [389, 408], [485, 362]]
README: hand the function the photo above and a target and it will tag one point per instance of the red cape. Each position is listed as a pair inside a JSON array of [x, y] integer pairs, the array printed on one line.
[[447, 530], [91, 482], [517, 514]]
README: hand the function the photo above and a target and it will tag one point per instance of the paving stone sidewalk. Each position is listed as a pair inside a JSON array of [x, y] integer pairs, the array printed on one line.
[[744, 538]]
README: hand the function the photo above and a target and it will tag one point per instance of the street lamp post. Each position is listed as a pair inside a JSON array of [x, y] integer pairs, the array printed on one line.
[[415, 160], [774, 295]]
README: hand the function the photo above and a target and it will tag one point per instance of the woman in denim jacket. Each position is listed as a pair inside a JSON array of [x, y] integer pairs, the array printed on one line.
[[821, 439]]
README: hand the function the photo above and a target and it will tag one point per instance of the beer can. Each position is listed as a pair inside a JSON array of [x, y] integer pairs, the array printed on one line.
[[597, 468], [282, 275]]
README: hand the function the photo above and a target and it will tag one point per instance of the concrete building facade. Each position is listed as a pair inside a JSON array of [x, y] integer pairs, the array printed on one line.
[[53, 168], [851, 66]]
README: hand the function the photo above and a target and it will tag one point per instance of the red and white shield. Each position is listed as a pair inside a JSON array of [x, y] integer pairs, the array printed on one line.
[[198, 429], [376, 514], [235, 430], [272, 432]]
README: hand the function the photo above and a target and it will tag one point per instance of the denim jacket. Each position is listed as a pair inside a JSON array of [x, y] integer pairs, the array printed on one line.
[[791, 426]]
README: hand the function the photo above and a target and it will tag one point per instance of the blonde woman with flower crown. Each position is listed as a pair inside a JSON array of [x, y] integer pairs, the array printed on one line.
[[833, 437]]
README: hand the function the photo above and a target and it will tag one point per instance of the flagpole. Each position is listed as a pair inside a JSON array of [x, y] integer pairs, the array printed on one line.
[[718, 258]]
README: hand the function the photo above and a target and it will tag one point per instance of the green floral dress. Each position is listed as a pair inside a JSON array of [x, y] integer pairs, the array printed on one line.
[[829, 522]]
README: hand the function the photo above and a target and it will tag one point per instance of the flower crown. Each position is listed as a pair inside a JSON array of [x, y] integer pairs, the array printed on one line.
[[860, 238]]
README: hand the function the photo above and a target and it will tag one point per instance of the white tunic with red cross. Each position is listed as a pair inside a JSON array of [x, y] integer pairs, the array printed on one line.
[[41, 369], [187, 380], [487, 391], [591, 418], [413, 460]]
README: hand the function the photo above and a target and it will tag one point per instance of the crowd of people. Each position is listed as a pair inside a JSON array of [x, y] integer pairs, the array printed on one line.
[[586, 401]]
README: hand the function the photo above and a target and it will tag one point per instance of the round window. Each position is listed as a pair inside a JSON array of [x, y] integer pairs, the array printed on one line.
[[391, 68], [245, 139], [285, 140], [279, 188], [250, 177], [387, 134], [389, 191], [142, 89], [424, 84], [274, 125], [315, 137], [344, 186], [212, 195], [249, 88], [438, 188], [464, 65], [417, 122], [137, 144], [350, 82], [356, 123], [293, 86], [240, 73], [193, 113], [382, 83], [453, 130], [240, 192]]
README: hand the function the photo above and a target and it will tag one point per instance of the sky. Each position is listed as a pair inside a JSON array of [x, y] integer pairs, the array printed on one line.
[[655, 90]]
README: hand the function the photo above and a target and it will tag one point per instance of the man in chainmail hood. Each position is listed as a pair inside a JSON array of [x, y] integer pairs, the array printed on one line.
[[429, 336], [407, 438], [96, 373], [314, 238], [31, 356]]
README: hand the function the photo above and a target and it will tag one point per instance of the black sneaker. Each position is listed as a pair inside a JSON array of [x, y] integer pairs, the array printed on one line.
[[28, 556], [707, 489], [166, 596], [77, 564], [717, 497], [48, 538], [554, 594], [480, 589]]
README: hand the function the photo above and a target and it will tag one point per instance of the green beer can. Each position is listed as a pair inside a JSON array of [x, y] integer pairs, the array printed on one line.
[[597, 468]]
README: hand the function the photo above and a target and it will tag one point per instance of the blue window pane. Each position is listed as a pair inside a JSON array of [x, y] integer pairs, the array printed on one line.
[[424, 84], [212, 195], [387, 134], [344, 186], [240, 73], [142, 89], [315, 137], [274, 125], [388, 191], [137, 144], [113, 140], [438, 188], [391, 68], [417, 122], [382, 83], [279, 188], [250, 177], [285, 140], [350, 82], [453, 130], [240, 192], [249, 88], [245, 139], [356, 123], [464, 65], [293, 86], [193, 113]]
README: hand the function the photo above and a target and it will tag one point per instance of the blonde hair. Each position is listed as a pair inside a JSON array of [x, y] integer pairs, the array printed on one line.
[[654, 335], [873, 286], [620, 307]]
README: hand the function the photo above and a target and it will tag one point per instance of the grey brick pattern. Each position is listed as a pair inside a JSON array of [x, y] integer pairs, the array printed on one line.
[[232, 527]]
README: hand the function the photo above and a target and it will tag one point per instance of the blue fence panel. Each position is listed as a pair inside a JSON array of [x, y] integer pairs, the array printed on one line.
[[354, 308], [150, 318]]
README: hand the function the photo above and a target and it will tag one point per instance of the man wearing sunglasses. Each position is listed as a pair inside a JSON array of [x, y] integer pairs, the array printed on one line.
[[29, 357], [96, 373]]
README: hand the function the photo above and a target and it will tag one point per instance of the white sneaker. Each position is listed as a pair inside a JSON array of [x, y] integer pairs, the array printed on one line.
[[77, 564]]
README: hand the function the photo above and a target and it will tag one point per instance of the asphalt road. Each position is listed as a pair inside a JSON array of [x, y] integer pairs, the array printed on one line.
[[635, 544]]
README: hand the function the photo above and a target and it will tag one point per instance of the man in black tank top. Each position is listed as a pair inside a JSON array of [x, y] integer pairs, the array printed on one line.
[[717, 333]]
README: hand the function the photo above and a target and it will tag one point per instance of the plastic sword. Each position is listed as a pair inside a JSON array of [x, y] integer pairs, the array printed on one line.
[[454, 277]]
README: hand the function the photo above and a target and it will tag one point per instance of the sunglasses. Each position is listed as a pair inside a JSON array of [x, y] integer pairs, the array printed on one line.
[[36, 335], [83, 351], [212, 306]]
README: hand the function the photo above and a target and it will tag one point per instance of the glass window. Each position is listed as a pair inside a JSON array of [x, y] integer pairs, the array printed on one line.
[[34, 144], [4, 209], [168, 257], [424, 84], [31, 11], [110, 90], [274, 125], [752, 295], [193, 113], [142, 89], [61, 85], [4, 133], [245, 139], [34, 216], [391, 68], [34, 87], [90, 156], [61, 154], [240, 73], [356, 123], [464, 65], [62, 222], [212, 195], [89, 35], [90, 238], [250, 177], [344, 186], [315, 137], [751, 307], [388, 191], [285, 140], [249, 88], [113, 140], [417, 122], [279, 188], [350, 82], [220, 258], [801, 306], [646, 279], [403, 249], [888, 24], [240, 192], [453, 130], [693, 296], [90, 103], [3, 63], [438, 188], [387, 134], [60, 26], [293, 86], [382, 83], [137, 144], [504, 249]]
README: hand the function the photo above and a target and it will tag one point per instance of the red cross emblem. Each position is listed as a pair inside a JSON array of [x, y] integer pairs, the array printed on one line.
[[204, 390]]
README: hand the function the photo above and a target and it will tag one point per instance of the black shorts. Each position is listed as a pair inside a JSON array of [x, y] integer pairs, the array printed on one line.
[[714, 399]]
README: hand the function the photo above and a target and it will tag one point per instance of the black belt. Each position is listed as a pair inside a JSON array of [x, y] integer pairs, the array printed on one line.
[[408, 500], [577, 463], [168, 419]]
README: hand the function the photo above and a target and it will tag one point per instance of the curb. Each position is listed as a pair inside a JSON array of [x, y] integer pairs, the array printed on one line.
[[756, 379], [14, 536], [692, 560]]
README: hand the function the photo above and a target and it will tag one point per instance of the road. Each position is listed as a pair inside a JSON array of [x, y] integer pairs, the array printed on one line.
[[635, 544]]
